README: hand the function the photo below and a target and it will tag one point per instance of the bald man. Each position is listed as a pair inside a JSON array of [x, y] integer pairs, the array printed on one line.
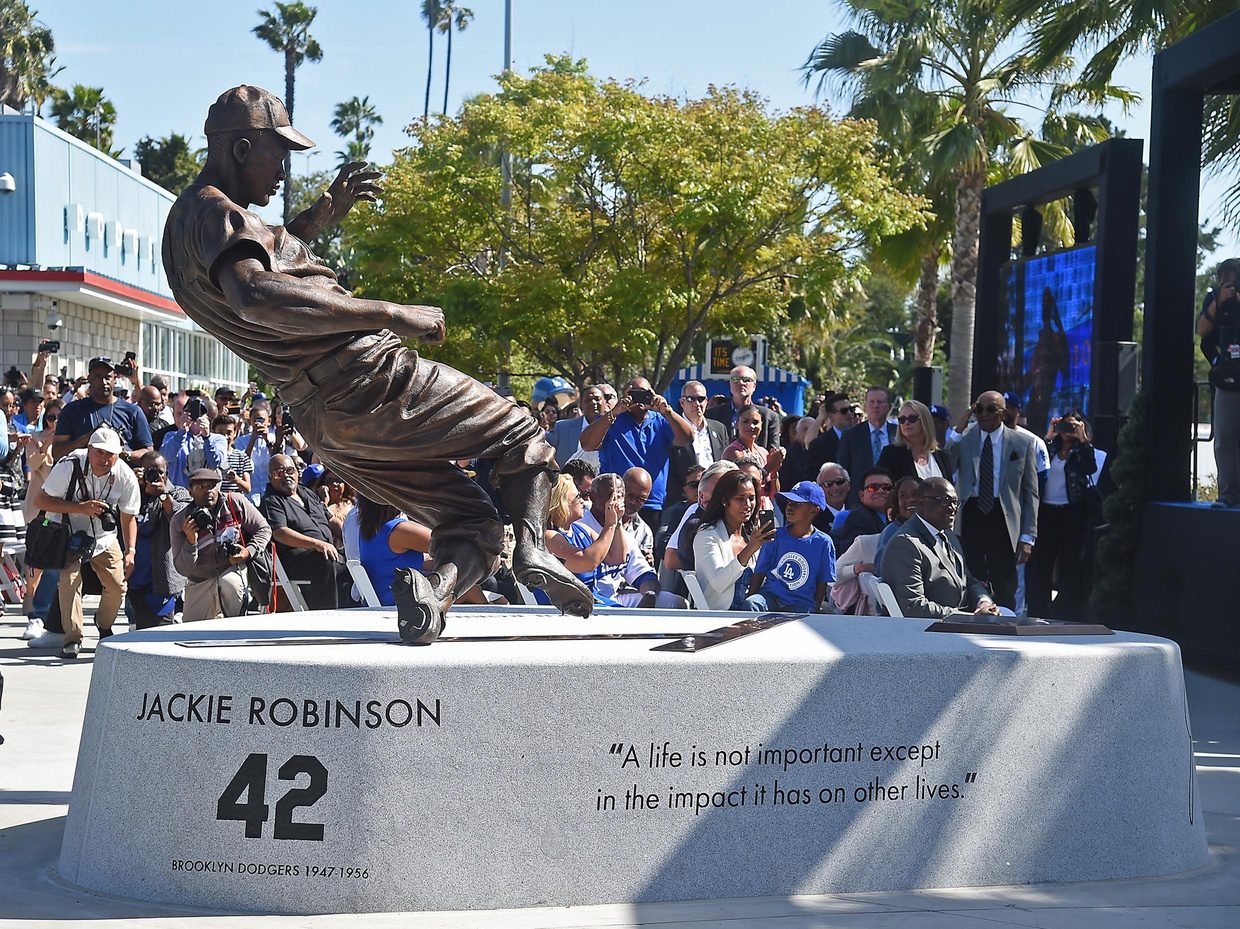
[[743, 381], [639, 432], [997, 482]]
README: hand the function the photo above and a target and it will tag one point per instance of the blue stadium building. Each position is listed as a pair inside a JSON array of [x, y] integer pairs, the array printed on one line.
[[80, 237]]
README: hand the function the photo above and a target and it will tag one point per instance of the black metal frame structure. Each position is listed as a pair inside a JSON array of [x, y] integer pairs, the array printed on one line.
[[1113, 168], [1207, 62]]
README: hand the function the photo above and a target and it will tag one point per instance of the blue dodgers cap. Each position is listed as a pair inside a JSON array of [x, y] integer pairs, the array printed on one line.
[[805, 492], [940, 411], [312, 473], [547, 387], [1012, 399]]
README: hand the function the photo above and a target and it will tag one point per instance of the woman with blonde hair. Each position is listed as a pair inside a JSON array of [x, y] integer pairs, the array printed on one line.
[[572, 541], [915, 452]]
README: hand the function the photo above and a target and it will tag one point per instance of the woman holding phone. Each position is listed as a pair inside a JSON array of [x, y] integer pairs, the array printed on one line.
[[726, 546]]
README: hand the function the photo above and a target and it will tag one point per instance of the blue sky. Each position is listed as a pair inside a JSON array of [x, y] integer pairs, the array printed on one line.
[[162, 63]]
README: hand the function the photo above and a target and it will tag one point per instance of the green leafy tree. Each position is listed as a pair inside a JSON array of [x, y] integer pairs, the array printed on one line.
[[1111, 31], [455, 18], [969, 61], [286, 29], [168, 161], [27, 56], [355, 120], [84, 112], [636, 223]]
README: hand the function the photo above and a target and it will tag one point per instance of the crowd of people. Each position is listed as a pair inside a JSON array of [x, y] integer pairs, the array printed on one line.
[[176, 502]]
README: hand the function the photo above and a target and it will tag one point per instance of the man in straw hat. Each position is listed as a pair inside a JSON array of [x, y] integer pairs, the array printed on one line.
[[388, 421]]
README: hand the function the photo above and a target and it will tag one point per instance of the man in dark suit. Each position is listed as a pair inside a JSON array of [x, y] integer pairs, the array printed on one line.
[[710, 438], [836, 416], [870, 516], [997, 480], [744, 381], [861, 445], [924, 564]]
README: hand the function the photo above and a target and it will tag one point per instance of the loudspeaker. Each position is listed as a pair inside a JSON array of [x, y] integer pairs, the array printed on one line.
[[1117, 377], [928, 385]]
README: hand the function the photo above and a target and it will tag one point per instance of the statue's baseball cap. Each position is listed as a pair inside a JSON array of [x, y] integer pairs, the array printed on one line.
[[249, 107]]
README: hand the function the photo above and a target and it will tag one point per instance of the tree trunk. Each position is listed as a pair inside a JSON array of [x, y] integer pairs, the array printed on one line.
[[447, 70], [964, 288], [290, 69], [430, 62], [927, 309]]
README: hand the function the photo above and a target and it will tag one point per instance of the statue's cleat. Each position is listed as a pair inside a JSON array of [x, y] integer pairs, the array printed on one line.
[[539, 569], [419, 615]]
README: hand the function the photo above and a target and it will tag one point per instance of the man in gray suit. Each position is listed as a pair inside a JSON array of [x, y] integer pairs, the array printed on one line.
[[924, 565], [997, 480]]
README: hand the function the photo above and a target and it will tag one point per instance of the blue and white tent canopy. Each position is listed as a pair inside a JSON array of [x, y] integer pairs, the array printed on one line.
[[788, 387]]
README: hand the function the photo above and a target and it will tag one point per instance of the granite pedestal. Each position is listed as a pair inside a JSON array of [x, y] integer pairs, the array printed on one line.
[[305, 763]]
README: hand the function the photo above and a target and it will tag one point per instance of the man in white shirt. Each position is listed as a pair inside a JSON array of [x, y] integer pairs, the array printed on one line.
[[710, 438], [100, 495]]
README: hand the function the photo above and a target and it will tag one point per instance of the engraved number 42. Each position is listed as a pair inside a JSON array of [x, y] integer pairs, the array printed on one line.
[[251, 781]]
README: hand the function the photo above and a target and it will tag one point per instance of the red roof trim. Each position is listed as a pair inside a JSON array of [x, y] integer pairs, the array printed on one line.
[[98, 282]]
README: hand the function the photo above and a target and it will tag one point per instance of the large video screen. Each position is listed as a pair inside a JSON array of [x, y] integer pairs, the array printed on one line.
[[1047, 333]]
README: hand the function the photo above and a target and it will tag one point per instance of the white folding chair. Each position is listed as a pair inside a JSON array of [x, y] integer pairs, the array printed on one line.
[[290, 589], [697, 599], [869, 588], [361, 580], [887, 597]]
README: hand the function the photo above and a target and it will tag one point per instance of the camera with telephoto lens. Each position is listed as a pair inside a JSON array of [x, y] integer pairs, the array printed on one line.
[[152, 476], [81, 545], [204, 519]]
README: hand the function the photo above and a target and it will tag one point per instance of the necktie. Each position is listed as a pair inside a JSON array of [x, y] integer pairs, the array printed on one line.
[[947, 553], [986, 477], [876, 442]]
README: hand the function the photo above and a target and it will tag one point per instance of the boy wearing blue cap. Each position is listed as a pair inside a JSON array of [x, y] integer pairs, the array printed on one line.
[[796, 567]]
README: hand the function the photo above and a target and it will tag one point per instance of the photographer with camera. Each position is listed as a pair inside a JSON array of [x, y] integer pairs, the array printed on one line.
[[1219, 328], [212, 541], [99, 494], [188, 447], [639, 432], [155, 587]]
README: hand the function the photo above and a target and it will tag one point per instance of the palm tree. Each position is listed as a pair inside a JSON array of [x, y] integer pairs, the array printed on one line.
[[461, 16], [970, 61], [1115, 30], [287, 30], [433, 15], [85, 113], [27, 59], [356, 117]]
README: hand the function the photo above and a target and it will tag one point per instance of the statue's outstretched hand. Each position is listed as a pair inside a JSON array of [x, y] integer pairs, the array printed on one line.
[[355, 181]]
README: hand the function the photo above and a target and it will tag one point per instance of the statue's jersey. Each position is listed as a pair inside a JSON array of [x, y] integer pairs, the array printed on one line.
[[204, 226]]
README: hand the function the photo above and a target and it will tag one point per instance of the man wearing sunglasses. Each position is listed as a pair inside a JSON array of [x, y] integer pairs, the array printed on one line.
[[743, 382], [923, 563], [997, 482], [835, 483], [710, 438], [834, 418], [870, 518]]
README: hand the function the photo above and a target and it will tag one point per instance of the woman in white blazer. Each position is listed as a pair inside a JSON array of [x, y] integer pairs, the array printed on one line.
[[726, 545]]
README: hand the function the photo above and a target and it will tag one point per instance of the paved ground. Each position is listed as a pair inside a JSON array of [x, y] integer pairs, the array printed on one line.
[[45, 697]]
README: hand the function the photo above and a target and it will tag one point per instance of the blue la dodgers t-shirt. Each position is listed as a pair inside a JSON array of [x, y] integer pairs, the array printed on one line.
[[648, 444], [795, 567]]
